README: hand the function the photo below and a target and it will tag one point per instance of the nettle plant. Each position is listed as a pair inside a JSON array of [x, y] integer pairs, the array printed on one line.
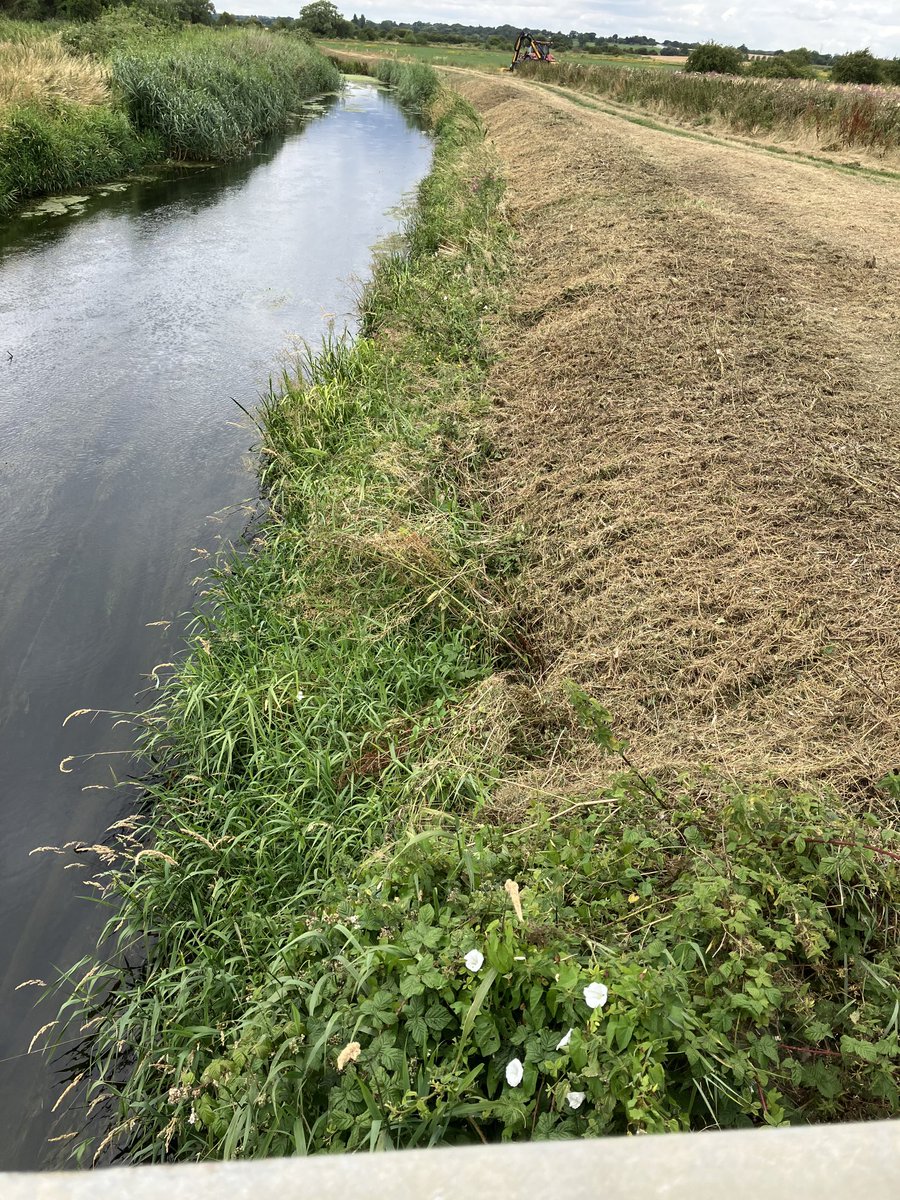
[[633, 967]]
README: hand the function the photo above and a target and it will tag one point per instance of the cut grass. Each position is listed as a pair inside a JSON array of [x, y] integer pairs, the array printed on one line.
[[815, 160], [829, 115]]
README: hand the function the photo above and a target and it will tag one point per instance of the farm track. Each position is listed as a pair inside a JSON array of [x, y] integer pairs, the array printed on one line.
[[697, 416]]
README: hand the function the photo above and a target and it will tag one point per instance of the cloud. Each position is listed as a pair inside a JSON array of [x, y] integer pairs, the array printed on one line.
[[826, 25]]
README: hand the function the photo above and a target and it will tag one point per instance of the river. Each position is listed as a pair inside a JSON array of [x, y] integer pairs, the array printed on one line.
[[128, 324]]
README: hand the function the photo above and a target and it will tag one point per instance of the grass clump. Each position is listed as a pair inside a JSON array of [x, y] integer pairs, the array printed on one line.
[[42, 72], [59, 129], [416, 84], [70, 146]]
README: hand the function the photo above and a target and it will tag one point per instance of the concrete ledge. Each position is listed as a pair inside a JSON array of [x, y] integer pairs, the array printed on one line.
[[843, 1162]]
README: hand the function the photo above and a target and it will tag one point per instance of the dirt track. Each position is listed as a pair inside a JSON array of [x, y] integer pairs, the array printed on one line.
[[698, 417]]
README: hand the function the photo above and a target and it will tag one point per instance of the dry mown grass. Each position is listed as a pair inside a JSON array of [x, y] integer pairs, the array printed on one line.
[[43, 73], [709, 474]]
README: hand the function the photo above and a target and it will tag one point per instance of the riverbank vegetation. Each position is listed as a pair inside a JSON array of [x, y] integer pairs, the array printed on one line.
[[101, 99], [829, 116], [362, 908]]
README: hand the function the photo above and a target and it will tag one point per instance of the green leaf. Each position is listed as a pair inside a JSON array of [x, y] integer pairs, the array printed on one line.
[[411, 985], [475, 1007]]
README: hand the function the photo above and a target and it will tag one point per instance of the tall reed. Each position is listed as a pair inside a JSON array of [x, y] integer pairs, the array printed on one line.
[[210, 94], [131, 89]]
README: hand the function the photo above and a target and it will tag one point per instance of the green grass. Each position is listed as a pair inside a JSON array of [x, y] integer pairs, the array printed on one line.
[[474, 57]]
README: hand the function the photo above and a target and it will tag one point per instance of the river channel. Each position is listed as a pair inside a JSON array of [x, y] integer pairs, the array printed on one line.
[[127, 327]]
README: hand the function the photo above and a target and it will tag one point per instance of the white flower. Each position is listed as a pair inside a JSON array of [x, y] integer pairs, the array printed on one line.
[[574, 1099], [192, 1119], [564, 1041], [349, 1054], [474, 960], [514, 1072], [595, 995]]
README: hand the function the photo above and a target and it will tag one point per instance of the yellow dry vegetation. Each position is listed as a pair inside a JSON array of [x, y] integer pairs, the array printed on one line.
[[42, 72], [697, 421]]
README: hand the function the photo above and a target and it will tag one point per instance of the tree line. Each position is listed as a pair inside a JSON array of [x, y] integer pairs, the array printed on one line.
[[859, 66], [323, 19]]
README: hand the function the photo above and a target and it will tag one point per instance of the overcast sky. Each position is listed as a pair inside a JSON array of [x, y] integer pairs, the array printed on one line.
[[829, 25]]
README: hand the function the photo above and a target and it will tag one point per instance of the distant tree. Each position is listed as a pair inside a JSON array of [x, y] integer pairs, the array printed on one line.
[[858, 67], [711, 58], [226, 18], [322, 19], [890, 70]]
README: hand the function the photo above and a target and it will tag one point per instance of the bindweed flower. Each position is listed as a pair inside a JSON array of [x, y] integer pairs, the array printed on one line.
[[514, 1072], [564, 1041], [595, 995], [574, 1099], [474, 960]]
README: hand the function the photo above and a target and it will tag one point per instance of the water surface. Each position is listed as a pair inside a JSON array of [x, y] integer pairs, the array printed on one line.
[[126, 327]]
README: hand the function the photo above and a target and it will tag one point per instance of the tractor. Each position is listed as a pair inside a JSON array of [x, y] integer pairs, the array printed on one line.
[[531, 49]]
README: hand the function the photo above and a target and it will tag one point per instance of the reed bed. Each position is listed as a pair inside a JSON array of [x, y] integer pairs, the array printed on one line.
[[132, 90], [833, 116], [211, 94], [416, 84]]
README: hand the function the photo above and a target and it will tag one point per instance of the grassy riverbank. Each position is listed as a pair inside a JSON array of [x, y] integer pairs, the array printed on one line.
[[100, 100], [392, 890]]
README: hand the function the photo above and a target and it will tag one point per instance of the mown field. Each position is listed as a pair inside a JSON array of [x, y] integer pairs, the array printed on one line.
[[808, 113]]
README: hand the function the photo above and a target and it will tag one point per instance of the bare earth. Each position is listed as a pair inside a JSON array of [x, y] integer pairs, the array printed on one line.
[[698, 420]]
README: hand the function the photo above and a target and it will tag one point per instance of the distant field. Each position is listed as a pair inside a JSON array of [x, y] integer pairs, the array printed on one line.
[[480, 59]]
